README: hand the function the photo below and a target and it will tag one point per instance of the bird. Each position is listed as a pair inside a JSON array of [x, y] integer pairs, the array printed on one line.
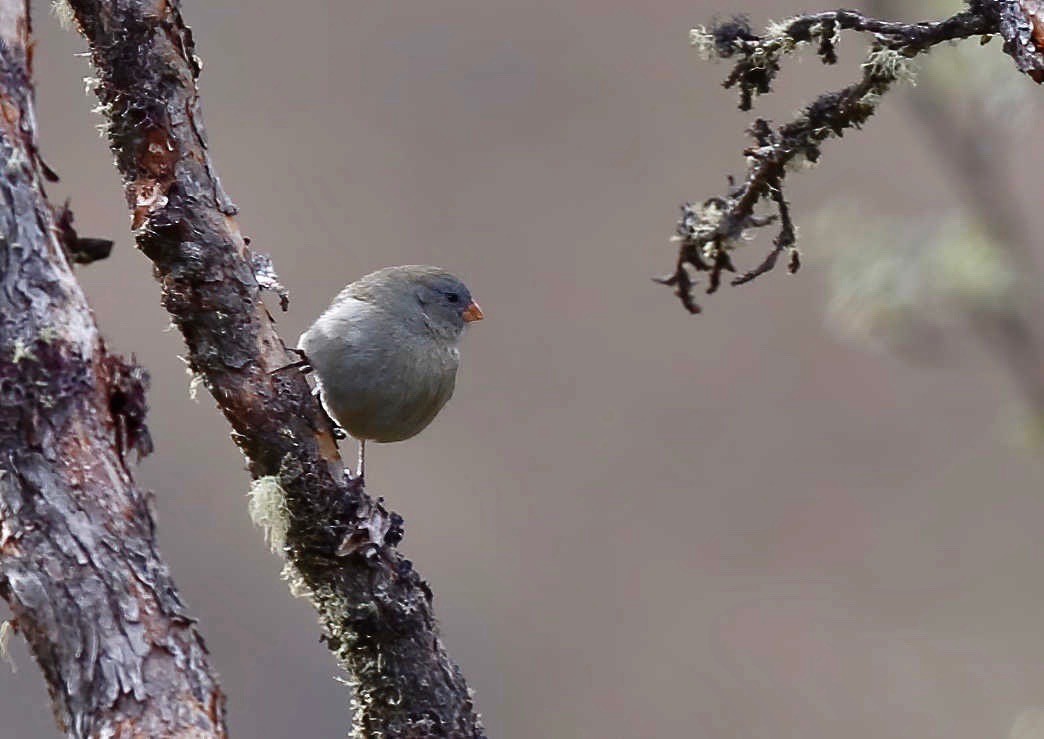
[[386, 351]]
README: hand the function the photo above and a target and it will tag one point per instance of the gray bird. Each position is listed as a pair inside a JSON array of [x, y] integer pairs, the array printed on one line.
[[386, 351]]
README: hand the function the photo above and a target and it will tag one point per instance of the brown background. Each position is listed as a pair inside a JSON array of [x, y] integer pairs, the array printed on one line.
[[637, 523]]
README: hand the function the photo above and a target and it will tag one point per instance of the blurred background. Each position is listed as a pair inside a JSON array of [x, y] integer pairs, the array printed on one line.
[[813, 511]]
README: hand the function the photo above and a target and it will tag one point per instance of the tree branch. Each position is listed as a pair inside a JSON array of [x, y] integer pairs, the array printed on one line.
[[78, 560], [708, 233], [375, 609]]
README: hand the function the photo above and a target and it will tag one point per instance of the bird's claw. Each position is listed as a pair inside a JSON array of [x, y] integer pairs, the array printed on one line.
[[302, 364]]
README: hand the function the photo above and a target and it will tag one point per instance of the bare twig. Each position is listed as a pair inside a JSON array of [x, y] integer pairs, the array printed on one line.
[[375, 609], [78, 560], [709, 232]]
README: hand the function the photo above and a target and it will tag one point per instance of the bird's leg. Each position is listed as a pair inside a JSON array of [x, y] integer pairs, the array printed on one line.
[[362, 459]]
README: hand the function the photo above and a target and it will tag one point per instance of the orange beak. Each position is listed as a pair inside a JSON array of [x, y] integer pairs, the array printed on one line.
[[473, 313]]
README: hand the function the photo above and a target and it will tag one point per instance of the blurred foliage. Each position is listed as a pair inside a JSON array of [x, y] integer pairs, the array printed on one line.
[[978, 81], [895, 284], [1028, 725], [903, 285]]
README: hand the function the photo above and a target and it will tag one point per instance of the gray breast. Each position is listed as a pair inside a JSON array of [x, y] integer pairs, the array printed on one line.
[[387, 389]]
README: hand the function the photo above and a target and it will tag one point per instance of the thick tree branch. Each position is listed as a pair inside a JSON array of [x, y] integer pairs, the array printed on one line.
[[708, 233], [78, 560], [375, 609]]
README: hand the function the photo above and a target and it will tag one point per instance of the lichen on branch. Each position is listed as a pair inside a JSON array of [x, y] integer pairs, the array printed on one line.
[[709, 232], [340, 544]]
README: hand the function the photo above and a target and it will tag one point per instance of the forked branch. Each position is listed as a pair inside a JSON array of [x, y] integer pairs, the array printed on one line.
[[708, 233]]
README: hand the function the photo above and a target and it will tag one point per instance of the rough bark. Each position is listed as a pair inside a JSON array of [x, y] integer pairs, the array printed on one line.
[[375, 609], [78, 560]]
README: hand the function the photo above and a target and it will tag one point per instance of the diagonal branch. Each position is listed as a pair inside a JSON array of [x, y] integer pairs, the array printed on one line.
[[375, 609], [79, 565]]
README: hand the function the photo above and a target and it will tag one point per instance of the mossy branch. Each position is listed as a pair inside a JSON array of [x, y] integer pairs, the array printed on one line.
[[339, 543], [708, 233]]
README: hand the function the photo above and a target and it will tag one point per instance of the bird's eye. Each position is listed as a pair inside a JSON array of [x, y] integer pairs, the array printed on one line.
[[453, 297]]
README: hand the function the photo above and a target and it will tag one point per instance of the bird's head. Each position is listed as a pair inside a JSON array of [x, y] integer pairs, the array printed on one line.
[[436, 298], [444, 300]]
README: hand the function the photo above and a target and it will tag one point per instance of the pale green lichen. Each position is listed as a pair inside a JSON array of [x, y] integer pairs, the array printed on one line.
[[711, 215], [22, 351], [268, 511], [62, 10], [16, 160], [705, 229], [708, 220], [293, 579], [104, 111], [194, 384], [6, 629], [778, 39], [890, 65], [49, 334], [703, 41], [370, 686], [778, 29], [786, 44], [873, 99], [760, 56]]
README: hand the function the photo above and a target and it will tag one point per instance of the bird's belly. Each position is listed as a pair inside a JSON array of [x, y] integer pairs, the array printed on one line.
[[396, 401]]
